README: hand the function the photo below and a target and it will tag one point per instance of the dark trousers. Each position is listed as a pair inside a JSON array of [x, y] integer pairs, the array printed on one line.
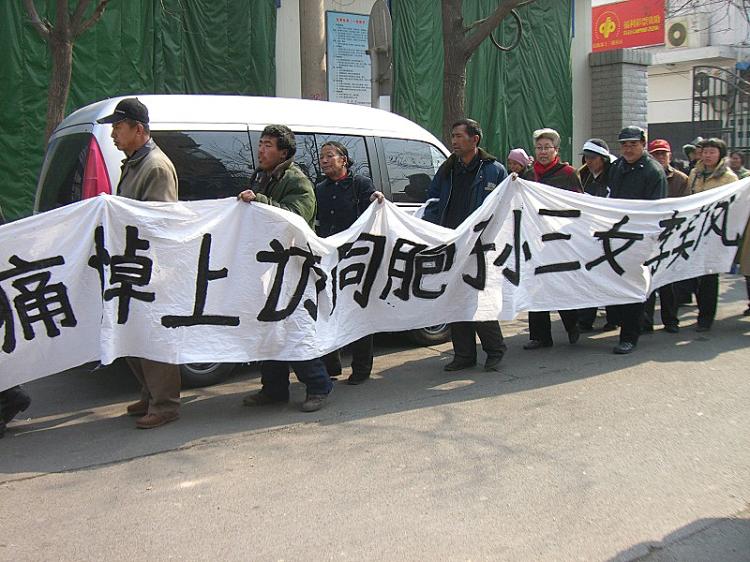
[[540, 325], [668, 304], [361, 359], [707, 296], [160, 384], [747, 283], [464, 339], [587, 317], [684, 290], [629, 317], [274, 376]]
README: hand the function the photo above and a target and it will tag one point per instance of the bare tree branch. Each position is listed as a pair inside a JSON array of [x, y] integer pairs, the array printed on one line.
[[481, 30], [95, 17], [42, 27], [78, 14]]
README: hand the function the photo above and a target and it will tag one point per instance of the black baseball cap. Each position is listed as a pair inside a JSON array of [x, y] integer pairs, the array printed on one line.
[[129, 108], [632, 133]]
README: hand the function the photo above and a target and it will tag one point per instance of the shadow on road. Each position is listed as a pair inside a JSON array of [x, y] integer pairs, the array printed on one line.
[[721, 539]]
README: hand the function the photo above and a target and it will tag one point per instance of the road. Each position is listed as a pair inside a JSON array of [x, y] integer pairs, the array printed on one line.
[[568, 453]]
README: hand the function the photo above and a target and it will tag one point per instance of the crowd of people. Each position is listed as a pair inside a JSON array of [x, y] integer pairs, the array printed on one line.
[[459, 187]]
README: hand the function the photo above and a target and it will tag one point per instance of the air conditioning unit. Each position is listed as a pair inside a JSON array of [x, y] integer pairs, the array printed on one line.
[[686, 32]]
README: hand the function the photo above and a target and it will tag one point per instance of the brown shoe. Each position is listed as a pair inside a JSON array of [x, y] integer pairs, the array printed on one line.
[[150, 421], [139, 408]]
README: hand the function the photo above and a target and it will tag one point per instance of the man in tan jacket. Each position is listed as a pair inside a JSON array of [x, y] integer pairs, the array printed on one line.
[[147, 175]]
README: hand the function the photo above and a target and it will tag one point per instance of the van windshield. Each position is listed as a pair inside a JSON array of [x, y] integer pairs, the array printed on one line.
[[61, 179]]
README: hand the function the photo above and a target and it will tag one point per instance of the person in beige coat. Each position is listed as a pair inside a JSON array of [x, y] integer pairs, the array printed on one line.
[[712, 171], [147, 175]]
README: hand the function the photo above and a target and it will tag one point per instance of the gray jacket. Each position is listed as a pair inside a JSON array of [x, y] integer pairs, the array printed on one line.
[[148, 175]]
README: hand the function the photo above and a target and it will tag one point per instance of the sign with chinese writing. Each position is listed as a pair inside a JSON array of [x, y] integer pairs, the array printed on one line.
[[227, 281], [347, 59], [634, 23]]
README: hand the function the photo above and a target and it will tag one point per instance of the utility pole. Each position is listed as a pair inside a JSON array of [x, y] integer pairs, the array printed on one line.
[[312, 49]]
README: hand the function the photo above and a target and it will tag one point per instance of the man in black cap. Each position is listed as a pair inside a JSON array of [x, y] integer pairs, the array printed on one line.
[[147, 175], [634, 175]]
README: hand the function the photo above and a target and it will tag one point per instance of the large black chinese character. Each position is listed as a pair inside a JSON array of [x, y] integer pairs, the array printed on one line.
[[129, 270], [610, 254], [718, 222], [205, 274], [561, 266], [37, 301], [514, 275], [359, 273], [417, 261], [669, 227], [281, 256], [479, 250]]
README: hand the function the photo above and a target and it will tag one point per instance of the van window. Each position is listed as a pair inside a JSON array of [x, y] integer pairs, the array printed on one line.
[[209, 164], [306, 156], [357, 149], [411, 166], [61, 178]]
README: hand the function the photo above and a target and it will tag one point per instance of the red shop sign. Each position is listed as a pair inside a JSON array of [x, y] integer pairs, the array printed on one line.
[[634, 23]]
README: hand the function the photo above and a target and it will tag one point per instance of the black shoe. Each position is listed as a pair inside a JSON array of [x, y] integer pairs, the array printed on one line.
[[2, 428], [357, 379], [536, 344], [608, 327], [647, 329], [459, 364], [747, 312], [492, 362], [574, 336], [623, 348], [702, 328], [585, 328], [13, 401], [672, 328]]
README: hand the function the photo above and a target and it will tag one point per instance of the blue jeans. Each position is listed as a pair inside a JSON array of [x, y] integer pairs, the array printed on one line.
[[274, 376]]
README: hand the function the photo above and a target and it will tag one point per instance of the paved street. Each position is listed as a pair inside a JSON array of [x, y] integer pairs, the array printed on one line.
[[569, 453]]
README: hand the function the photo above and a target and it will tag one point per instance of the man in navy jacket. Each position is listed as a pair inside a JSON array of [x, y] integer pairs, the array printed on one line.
[[460, 185]]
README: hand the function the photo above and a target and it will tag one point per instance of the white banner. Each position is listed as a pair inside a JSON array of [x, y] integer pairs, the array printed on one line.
[[225, 281]]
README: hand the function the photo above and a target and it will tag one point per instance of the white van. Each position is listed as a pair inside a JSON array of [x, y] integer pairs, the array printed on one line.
[[213, 141]]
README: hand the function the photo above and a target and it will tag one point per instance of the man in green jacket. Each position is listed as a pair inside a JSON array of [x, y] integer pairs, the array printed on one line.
[[280, 182]]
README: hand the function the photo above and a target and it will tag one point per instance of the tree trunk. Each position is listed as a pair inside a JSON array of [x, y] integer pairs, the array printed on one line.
[[61, 51], [454, 66], [454, 94]]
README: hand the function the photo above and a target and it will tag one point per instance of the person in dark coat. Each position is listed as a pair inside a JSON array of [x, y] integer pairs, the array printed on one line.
[[342, 197], [634, 175], [549, 170], [593, 177], [460, 185]]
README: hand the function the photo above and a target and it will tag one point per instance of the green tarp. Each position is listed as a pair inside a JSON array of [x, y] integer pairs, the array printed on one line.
[[139, 46], [510, 93]]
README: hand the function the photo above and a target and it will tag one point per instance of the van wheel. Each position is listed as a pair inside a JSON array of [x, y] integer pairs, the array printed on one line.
[[432, 335], [204, 374]]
